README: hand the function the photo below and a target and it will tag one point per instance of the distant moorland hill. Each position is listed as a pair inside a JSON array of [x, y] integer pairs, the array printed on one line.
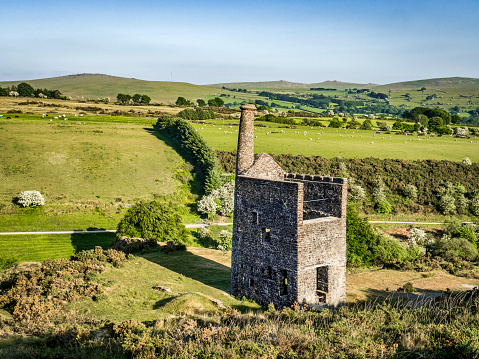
[[94, 86], [432, 84]]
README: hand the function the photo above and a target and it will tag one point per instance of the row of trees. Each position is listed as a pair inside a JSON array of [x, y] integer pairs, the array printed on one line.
[[136, 98], [214, 102], [26, 90]]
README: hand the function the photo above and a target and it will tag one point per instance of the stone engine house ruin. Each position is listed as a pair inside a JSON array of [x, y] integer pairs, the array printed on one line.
[[289, 230]]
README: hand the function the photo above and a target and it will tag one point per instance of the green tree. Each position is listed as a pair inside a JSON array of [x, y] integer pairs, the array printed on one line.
[[136, 98], [201, 102], [181, 101], [422, 120], [216, 102], [123, 98], [367, 125], [3, 92], [25, 90], [456, 119], [435, 123], [157, 220], [145, 99]]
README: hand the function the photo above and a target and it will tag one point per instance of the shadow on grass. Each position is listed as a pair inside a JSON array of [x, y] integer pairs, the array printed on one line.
[[190, 265], [420, 297], [85, 241], [195, 185]]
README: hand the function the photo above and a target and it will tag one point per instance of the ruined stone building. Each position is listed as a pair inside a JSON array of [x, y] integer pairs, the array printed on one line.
[[289, 230]]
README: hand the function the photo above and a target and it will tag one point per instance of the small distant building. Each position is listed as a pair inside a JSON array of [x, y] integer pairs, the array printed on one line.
[[289, 230]]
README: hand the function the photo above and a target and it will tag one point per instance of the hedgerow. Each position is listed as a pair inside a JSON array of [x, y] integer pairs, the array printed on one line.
[[203, 157], [427, 176]]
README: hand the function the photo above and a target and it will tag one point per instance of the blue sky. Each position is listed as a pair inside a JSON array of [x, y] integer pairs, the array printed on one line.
[[212, 41]]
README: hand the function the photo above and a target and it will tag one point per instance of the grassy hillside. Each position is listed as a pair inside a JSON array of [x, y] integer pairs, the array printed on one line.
[[88, 172], [101, 86]]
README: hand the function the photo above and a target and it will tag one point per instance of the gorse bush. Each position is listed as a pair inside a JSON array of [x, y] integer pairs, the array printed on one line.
[[454, 249], [157, 220], [30, 199]]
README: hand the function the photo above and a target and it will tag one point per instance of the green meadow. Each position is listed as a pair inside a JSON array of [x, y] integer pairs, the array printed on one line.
[[38, 247], [331, 142], [89, 172]]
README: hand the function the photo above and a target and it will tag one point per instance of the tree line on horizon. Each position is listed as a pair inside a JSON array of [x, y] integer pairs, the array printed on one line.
[[26, 90]]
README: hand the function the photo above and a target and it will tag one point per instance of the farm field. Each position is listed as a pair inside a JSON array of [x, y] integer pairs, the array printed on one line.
[[330, 142], [88, 172]]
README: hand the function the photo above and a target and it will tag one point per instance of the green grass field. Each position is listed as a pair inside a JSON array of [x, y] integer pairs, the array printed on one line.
[[37, 248], [194, 278], [329, 142], [88, 172]]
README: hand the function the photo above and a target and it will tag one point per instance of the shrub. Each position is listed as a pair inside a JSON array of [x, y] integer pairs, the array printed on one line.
[[474, 205], [447, 204], [407, 288], [467, 161], [360, 238], [356, 193], [382, 204], [225, 240], [156, 221], [410, 191], [454, 249], [208, 205], [387, 251], [30, 199], [455, 228], [417, 236], [172, 246], [132, 245], [219, 200]]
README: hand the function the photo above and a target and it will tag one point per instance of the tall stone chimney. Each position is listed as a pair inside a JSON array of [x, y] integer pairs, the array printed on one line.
[[245, 152]]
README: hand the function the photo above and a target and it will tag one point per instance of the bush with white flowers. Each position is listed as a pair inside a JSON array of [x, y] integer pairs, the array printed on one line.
[[219, 200], [410, 191], [467, 161], [31, 199], [417, 236], [224, 237]]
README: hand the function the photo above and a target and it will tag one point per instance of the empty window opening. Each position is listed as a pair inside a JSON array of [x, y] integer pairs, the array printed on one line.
[[266, 235], [283, 282], [322, 283], [251, 282]]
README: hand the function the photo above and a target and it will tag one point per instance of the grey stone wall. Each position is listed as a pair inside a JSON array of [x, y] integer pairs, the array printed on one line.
[[264, 252]]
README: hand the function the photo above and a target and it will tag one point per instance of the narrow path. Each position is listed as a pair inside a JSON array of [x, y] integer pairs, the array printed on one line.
[[190, 225], [194, 225]]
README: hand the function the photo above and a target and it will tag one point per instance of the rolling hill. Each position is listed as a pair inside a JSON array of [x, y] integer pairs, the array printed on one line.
[[436, 84], [96, 86]]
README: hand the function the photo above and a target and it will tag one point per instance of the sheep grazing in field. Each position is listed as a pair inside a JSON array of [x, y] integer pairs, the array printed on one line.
[[372, 142]]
